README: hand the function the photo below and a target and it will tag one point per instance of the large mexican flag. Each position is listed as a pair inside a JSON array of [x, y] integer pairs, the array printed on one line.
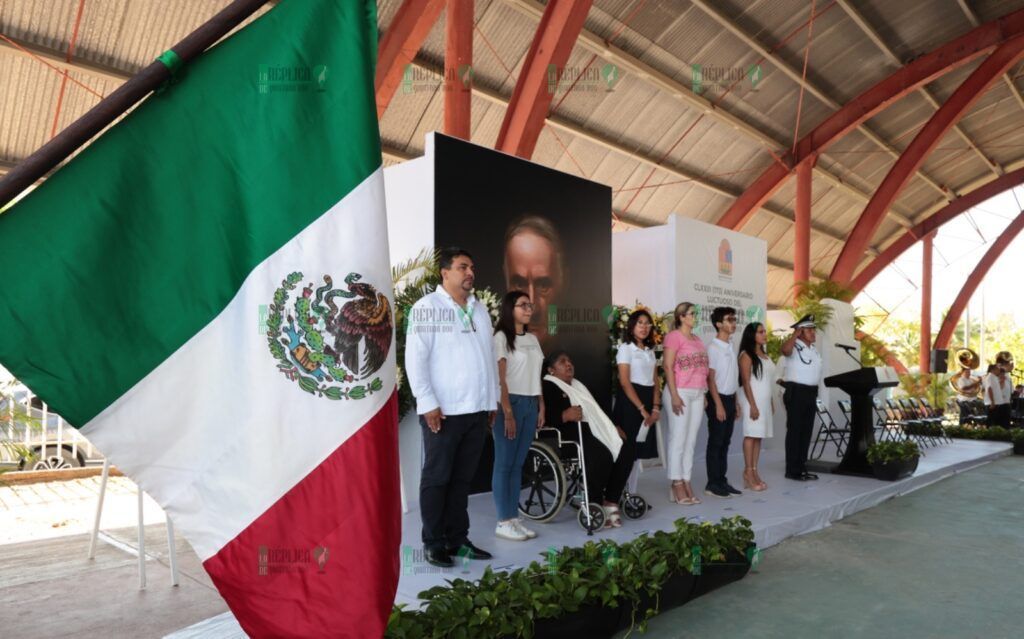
[[205, 292]]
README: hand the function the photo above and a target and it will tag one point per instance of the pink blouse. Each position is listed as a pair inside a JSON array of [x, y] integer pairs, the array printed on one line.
[[691, 363]]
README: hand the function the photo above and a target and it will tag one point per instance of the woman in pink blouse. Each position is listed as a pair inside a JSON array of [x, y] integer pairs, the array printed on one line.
[[686, 378]]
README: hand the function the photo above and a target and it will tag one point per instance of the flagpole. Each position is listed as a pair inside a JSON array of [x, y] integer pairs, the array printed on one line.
[[48, 156]]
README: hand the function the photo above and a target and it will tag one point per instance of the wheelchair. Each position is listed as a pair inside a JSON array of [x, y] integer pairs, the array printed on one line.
[[554, 474]]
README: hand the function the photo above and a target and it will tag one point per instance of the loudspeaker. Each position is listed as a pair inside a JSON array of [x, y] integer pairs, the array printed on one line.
[[939, 361]]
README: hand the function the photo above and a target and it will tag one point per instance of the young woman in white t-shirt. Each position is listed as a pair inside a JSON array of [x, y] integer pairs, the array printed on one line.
[[637, 398], [522, 409]]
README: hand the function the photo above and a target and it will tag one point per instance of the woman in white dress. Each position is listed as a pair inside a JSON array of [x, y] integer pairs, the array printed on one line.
[[757, 381]]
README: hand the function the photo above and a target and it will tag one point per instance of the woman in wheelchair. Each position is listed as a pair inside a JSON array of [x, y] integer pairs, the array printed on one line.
[[608, 455]]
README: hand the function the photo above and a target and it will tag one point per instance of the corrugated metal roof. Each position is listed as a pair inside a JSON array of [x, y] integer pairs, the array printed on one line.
[[627, 130]]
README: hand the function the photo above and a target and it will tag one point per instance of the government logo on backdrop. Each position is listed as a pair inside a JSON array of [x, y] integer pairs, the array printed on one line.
[[725, 259]]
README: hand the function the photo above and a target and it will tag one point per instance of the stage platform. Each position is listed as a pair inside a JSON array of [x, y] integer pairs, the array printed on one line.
[[786, 509]]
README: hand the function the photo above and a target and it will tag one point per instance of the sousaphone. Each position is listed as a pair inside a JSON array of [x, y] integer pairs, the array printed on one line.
[[969, 361], [1005, 358], [968, 358]]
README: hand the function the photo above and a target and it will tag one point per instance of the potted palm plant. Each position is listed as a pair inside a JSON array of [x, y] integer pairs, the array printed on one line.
[[893, 460]]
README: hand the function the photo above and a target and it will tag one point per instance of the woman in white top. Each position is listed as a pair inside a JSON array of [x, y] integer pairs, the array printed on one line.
[[522, 409], [757, 381], [637, 400]]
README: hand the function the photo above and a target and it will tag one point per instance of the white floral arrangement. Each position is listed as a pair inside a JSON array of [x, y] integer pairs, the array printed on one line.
[[491, 301]]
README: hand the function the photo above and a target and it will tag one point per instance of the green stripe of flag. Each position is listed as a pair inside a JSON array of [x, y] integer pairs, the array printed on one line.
[[137, 244]]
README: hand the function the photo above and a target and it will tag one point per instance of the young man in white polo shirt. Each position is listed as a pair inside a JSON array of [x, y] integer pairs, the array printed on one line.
[[803, 372], [998, 393], [449, 358], [723, 381]]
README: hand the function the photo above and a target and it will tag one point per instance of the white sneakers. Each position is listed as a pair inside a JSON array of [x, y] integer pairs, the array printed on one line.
[[513, 530], [509, 530], [526, 531]]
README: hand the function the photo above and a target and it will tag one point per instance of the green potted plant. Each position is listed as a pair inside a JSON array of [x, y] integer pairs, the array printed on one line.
[[893, 460], [593, 590], [723, 550], [1017, 437], [584, 591]]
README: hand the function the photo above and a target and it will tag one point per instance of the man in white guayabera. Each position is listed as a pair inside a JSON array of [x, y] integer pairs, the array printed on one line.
[[449, 358]]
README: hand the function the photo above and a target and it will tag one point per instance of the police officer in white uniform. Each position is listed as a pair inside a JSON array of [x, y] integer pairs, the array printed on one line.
[[803, 372]]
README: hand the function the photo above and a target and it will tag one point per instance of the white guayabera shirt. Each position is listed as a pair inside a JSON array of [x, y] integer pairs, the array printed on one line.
[[449, 356]]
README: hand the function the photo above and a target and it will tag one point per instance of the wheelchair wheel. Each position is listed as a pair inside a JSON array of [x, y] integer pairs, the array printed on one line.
[[596, 517], [633, 506], [543, 489]]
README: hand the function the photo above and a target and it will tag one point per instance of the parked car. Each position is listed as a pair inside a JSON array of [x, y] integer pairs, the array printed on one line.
[[28, 426]]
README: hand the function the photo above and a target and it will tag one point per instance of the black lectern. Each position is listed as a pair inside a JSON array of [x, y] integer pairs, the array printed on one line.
[[860, 384]]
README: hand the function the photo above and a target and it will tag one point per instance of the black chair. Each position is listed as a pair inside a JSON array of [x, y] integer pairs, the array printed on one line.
[[886, 429], [829, 432], [915, 428], [847, 409], [937, 416], [931, 427], [972, 412]]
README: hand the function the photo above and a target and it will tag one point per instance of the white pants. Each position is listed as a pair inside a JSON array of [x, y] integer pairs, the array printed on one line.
[[681, 434]]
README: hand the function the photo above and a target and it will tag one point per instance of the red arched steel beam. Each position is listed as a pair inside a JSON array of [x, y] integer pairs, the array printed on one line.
[[977, 275], [933, 222], [401, 43], [965, 96], [545, 62], [890, 359], [458, 68], [908, 79]]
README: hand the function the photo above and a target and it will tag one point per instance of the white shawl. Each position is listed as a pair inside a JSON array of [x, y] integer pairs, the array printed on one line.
[[600, 424]]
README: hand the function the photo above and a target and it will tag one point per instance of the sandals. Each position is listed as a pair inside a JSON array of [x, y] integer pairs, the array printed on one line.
[[760, 482], [693, 498], [672, 491], [611, 517], [685, 501], [750, 480]]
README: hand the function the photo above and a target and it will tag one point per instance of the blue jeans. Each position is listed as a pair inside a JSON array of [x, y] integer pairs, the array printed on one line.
[[509, 454]]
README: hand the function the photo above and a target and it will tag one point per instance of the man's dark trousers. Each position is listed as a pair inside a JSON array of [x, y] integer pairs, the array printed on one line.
[[801, 406], [450, 459], [719, 436]]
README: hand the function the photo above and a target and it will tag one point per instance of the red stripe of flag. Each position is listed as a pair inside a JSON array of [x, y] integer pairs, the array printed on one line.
[[323, 561]]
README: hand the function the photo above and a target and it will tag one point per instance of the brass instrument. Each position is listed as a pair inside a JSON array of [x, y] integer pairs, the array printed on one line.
[[968, 358], [1005, 359], [969, 361]]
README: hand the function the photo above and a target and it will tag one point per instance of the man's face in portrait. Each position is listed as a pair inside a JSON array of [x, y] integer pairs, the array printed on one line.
[[531, 265]]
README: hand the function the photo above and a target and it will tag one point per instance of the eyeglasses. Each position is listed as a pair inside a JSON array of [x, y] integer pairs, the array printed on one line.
[[731, 320], [525, 306]]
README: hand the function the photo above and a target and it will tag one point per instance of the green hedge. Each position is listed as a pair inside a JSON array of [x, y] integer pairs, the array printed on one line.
[[602, 573], [993, 433]]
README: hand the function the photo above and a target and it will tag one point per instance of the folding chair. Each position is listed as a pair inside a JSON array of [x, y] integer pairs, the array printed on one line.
[[935, 416], [829, 432], [910, 426], [930, 429], [891, 429]]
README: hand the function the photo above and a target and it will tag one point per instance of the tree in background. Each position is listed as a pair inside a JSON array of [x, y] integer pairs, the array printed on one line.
[[1001, 334], [902, 337]]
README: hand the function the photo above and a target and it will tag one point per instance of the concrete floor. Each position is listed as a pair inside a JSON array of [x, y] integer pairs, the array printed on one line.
[[946, 561], [49, 589]]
